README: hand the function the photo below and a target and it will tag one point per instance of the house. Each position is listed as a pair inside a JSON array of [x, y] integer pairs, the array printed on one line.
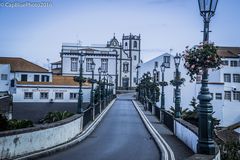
[[224, 84], [28, 82]]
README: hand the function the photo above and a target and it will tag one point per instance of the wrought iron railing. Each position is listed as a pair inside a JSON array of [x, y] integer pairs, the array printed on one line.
[[168, 120], [97, 109], [87, 116], [157, 112]]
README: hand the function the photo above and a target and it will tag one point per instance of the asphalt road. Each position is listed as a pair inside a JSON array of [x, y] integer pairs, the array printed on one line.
[[121, 135]]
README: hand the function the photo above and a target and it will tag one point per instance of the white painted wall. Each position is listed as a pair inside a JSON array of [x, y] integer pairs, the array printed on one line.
[[225, 110], [186, 135], [28, 142], [19, 96], [5, 84], [97, 60], [30, 75], [187, 87]]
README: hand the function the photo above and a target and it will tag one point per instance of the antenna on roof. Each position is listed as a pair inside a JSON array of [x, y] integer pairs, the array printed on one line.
[[48, 64], [171, 50]]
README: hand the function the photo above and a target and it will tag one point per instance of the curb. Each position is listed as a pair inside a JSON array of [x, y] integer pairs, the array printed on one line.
[[72, 142], [167, 153]]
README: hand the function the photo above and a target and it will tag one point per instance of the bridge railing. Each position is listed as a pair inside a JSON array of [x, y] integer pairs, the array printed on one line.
[[182, 129]]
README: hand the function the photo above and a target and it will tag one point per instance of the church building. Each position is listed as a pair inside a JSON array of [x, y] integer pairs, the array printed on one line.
[[118, 59]]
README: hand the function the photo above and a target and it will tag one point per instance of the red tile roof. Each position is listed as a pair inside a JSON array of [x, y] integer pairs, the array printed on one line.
[[21, 65], [229, 52]]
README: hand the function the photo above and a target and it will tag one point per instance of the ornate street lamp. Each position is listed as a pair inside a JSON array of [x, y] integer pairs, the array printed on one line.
[[104, 87], [154, 81], [207, 10], [205, 129], [177, 82], [138, 66], [80, 80], [92, 69], [163, 84], [99, 84]]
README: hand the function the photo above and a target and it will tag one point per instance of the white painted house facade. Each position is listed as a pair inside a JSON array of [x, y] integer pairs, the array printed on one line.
[[28, 82], [118, 59], [224, 84]]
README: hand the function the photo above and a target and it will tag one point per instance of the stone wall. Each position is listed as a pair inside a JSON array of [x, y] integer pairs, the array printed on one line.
[[24, 141]]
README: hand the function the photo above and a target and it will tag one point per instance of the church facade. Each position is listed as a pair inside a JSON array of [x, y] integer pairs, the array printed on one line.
[[118, 59]]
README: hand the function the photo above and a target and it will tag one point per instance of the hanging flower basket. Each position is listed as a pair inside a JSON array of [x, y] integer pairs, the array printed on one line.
[[201, 57]]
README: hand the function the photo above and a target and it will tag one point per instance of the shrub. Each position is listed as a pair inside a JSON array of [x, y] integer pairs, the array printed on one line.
[[55, 116], [3, 123], [18, 124]]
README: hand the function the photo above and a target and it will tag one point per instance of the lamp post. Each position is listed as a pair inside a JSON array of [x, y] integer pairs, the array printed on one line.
[[104, 87], [177, 84], [163, 83], [205, 132], [154, 81], [80, 80], [107, 90], [100, 86], [92, 69]]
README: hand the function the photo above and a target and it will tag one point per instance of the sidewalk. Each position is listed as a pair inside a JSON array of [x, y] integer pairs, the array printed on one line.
[[180, 150]]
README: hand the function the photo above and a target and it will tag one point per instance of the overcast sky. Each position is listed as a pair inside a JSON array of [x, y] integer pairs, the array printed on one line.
[[38, 33]]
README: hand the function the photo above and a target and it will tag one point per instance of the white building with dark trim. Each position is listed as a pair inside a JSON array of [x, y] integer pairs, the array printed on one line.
[[28, 82], [118, 59], [224, 84]]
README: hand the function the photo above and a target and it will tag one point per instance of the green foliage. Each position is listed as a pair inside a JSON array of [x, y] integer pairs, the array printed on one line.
[[13, 124], [55, 116], [3, 123], [201, 57], [18, 124], [149, 88], [183, 112], [192, 115], [230, 151]]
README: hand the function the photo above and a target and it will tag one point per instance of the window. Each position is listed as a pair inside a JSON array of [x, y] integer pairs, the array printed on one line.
[[135, 44], [89, 64], [43, 95], [73, 95], [156, 64], [36, 78], [227, 77], [4, 77], [218, 96], [236, 95], [28, 95], [234, 63], [104, 65], [74, 64], [24, 77], [225, 62], [135, 57], [166, 61], [126, 44], [58, 95], [227, 95], [45, 78], [236, 78], [125, 67]]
